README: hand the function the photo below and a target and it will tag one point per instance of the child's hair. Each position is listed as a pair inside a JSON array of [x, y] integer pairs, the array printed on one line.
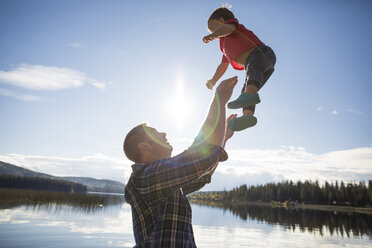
[[223, 12]]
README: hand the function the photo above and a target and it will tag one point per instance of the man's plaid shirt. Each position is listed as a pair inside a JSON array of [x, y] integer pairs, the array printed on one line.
[[161, 213]]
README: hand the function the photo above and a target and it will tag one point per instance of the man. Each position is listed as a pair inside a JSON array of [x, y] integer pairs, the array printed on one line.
[[158, 186]]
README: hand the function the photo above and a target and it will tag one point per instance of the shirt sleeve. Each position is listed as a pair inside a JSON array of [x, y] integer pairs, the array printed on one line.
[[196, 185], [161, 178], [224, 58]]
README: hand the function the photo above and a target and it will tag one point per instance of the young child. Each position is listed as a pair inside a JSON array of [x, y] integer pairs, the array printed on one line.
[[243, 50]]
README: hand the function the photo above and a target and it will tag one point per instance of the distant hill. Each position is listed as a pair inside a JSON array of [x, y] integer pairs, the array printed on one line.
[[98, 185]]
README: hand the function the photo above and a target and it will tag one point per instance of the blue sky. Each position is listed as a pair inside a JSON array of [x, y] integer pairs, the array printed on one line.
[[76, 76]]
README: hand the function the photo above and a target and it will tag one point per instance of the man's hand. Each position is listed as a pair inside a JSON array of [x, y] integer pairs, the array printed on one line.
[[210, 83], [225, 88], [229, 133], [208, 38], [214, 126]]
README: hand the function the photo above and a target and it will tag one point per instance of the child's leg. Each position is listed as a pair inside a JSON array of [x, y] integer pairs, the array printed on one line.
[[253, 83], [259, 68], [249, 110], [267, 60], [252, 89], [254, 69]]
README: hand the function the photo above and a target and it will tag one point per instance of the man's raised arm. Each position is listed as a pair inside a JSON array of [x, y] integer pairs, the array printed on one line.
[[213, 128], [162, 177]]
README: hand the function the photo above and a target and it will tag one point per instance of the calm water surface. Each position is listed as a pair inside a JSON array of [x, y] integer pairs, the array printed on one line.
[[63, 225]]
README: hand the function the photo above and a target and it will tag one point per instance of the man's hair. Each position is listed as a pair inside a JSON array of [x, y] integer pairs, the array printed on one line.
[[131, 141], [223, 12]]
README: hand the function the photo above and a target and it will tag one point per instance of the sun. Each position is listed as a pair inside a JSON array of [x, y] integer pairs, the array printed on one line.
[[180, 111], [180, 106]]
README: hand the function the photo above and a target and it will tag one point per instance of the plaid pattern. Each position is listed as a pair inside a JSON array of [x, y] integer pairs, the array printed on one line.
[[161, 213]]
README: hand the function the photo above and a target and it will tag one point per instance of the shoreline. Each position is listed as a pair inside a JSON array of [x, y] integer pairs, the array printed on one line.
[[361, 210]]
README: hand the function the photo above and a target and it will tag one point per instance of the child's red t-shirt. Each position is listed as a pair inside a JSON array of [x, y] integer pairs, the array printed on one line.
[[237, 42]]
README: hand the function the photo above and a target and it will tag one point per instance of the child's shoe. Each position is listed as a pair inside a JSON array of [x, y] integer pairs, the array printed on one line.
[[241, 123], [244, 100]]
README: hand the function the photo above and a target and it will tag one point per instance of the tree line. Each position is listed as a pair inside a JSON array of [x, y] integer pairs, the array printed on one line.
[[308, 192], [41, 184], [10, 198]]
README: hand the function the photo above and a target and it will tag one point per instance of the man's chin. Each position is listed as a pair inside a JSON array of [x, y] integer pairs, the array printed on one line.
[[170, 149], [168, 146]]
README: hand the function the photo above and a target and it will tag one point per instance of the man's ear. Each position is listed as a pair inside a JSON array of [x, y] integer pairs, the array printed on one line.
[[144, 146]]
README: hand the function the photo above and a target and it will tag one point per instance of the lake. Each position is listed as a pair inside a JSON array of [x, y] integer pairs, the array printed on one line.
[[108, 224]]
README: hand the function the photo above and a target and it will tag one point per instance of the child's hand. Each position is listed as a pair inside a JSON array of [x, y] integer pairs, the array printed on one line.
[[210, 83], [208, 38]]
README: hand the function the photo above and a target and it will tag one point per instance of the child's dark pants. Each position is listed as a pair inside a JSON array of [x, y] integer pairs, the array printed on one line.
[[259, 67]]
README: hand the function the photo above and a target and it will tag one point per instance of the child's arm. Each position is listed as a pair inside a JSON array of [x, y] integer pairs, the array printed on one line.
[[222, 31], [218, 74]]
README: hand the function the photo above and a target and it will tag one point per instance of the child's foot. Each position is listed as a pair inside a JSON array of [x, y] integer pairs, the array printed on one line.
[[244, 100], [241, 123]]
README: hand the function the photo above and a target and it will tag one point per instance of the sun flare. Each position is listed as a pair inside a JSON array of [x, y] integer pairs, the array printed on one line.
[[180, 106]]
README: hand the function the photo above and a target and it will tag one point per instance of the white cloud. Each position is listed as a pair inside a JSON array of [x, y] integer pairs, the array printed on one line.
[[76, 45], [99, 85], [39, 77], [260, 166], [257, 166], [22, 97], [96, 166], [354, 111], [336, 112]]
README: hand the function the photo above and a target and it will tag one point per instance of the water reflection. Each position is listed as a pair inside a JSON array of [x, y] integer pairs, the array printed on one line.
[[344, 224], [81, 222], [93, 221], [58, 201]]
